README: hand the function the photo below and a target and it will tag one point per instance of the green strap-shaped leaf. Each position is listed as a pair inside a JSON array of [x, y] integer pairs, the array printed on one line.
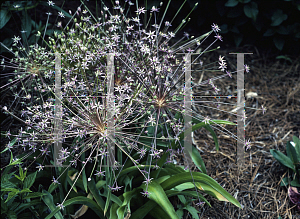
[[143, 210], [4, 17], [193, 194], [52, 187], [48, 199], [100, 184], [134, 168], [158, 213], [158, 195], [203, 182], [212, 132], [82, 201], [203, 124], [108, 201], [291, 152], [197, 159], [113, 211], [297, 146], [176, 168], [151, 205], [127, 197], [95, 192], [26, 23], [283, 159], [162, 178]]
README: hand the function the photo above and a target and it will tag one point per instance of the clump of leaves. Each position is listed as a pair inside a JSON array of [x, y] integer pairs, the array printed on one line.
[[133, 195], [17, 199], [291, 161]]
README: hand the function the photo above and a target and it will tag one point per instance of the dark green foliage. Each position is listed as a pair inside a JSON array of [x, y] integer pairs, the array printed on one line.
[[291, 161], [265, 24], [17, 198]]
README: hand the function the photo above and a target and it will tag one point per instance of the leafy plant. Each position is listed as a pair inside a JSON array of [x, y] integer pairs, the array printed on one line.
[[166, 181], [17, 198], [291, 161], [265, 20]]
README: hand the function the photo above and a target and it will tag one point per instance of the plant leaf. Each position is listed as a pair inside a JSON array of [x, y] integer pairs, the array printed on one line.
[[108, 200], [4, 17], [25, 190], [11, 195], [179, 213], [251, 10], [24, 206], [52, 187], [285, 181], [34, 195], [10, 144], [283, 159], [231, 3], [200, 125], [9, 190], [48, 200], [193, 194], [279, 42], [143, 210], [81, 211], [158, 213], [26, 23], [278, 17], [12, 215], [291, 152], [29, 180], [212, 132], [193, 211], [295, 183], [297, 146], [158, 195], [80, 200], [95, 193], [285, 58], [197, 159], [203, 182], [127, 197]]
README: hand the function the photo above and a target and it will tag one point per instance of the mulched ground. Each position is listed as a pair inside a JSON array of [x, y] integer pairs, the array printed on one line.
[[256, 184]]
